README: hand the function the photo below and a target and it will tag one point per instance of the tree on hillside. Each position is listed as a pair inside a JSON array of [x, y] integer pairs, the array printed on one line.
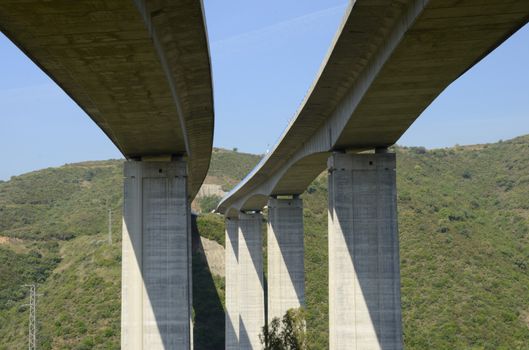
[[287, 333]]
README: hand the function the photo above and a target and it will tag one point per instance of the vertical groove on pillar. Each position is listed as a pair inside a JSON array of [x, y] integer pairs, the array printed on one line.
[[286, 275], [251, 293], [156, 279], [364, 272], [232, 283]]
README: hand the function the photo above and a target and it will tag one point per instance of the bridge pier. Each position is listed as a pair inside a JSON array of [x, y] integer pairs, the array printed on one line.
[[364, 272], [286, 275], [232, 283], [156, 262], [251, 286]]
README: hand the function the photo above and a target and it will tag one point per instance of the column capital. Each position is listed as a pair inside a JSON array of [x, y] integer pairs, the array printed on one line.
[[294, 202], [250, 215], [155, 169], [361, 161]]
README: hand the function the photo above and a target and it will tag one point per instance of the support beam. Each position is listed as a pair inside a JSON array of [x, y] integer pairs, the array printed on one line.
[[251, 291], [232, 284], [156, 263], [364, 272], [286, 273]]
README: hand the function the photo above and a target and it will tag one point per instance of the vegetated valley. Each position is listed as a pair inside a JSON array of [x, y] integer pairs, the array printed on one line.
[[464, 236]]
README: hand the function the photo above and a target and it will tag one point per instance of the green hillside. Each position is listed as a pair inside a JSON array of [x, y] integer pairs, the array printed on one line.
[[53, 231], [464, 239], [464, 229], [229, 167]]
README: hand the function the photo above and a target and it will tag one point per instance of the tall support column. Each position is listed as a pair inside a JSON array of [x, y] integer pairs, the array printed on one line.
[[364, 273], [232, 284], [156, 262], [286, 273], [251, 292]]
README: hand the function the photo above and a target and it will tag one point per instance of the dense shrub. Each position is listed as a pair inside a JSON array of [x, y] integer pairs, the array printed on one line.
[[209, 203]]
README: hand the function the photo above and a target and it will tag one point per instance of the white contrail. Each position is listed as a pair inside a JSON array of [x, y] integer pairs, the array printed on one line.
[[258, 35]]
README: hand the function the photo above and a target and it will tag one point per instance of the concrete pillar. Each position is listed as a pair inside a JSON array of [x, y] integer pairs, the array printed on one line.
[[156, 262], [364, 273], [251, 292], [232, 284], [286, 273]]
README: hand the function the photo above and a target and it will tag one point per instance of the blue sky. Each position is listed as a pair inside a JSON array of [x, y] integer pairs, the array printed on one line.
[[265, 55]]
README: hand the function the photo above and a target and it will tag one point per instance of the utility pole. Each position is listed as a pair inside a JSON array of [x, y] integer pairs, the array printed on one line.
[[32, 334], [109, 222], [110, 226]]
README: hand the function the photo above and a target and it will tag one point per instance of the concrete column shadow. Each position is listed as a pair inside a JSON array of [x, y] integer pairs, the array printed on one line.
[[208, 330]]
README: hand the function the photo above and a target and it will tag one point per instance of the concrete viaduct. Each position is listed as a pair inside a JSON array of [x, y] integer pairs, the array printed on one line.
[[141, 70], [389, 60]]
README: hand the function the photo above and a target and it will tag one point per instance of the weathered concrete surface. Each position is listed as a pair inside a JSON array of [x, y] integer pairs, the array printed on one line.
[[388, 62], [156, 264], [364, 270], [286, 268], [251, 290], [139, 68], [232, 284]]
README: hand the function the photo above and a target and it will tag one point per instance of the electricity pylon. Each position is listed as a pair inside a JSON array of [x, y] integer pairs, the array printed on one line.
[[32, 333]]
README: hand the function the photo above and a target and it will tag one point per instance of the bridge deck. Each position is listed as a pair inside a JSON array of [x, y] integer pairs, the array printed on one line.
[[387, 63], [139, 69]]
